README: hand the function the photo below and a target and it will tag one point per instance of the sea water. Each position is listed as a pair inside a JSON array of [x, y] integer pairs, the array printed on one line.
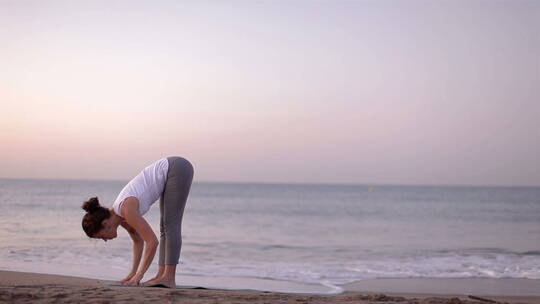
[[306, 234]]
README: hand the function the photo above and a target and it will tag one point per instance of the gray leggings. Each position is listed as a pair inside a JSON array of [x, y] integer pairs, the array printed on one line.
[[171, 207]]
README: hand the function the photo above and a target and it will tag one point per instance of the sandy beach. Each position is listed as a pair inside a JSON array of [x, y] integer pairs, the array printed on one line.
[[24, 287]]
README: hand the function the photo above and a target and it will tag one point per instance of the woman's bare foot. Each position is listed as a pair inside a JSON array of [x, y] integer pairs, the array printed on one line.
[[152, 281], [157, 277], [164, 281]]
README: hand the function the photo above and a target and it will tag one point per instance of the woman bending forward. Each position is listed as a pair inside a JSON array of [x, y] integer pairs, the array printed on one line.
[[167, 179]]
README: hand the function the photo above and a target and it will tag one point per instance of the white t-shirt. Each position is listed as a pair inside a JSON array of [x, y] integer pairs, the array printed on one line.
[[147, 186]]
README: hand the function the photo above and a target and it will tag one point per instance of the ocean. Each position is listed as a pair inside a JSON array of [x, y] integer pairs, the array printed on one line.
[[297, 235]]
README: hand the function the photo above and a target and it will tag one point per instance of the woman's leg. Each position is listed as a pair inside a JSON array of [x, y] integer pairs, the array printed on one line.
[[172, 205]]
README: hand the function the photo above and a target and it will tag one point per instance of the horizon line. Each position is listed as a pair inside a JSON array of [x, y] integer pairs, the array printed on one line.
[[288, 183]]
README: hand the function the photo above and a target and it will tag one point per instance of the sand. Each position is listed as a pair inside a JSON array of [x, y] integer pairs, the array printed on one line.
[[23, 287]]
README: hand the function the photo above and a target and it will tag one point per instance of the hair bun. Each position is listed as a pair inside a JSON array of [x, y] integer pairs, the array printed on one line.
[[91, 205]]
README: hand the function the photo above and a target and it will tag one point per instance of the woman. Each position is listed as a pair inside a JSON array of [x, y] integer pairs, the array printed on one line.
[[169, 180]]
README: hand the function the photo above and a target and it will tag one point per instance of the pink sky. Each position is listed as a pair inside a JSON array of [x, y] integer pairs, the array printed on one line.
[[369, 92]]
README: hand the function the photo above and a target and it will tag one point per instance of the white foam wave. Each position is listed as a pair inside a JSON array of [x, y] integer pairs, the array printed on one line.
[[331, 272]]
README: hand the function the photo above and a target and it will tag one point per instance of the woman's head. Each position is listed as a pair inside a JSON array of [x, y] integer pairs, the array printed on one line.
[[97, 222]]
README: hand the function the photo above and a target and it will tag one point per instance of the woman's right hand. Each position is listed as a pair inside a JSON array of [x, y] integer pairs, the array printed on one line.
[[126, 279]]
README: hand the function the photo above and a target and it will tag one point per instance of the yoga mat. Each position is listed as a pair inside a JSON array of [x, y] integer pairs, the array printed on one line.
[[153, 286]]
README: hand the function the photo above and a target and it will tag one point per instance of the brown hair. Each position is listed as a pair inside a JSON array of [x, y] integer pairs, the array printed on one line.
[[95, 214]]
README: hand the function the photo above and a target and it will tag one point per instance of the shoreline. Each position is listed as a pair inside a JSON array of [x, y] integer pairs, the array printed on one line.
[[415, 285], [489, 287], [27, 287]]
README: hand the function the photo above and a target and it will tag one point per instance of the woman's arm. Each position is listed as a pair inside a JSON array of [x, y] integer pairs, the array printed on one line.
[[130, 212], [138, 245]]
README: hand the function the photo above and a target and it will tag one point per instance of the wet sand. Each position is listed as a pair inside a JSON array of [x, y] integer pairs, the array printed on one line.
[[24, 287]]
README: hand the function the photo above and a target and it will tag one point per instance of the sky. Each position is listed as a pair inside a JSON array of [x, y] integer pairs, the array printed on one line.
[[357, 92]]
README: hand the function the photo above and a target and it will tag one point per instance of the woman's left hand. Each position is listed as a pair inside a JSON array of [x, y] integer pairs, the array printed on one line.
[[135, 280]]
